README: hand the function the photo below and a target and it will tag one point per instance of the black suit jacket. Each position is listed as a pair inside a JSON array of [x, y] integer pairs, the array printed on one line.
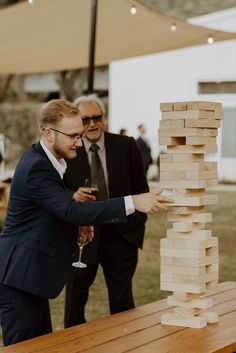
[[125, 177], [40, 231]]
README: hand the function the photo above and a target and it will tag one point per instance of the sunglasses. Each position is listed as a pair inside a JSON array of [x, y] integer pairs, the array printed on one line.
[[95, 118]]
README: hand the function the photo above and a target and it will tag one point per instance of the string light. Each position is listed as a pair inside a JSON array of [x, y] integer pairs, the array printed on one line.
[[133, 10], [173, 27], [210, 40]]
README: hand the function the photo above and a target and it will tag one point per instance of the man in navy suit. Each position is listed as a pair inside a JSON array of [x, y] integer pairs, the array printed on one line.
[[40, 230], [115, 246]]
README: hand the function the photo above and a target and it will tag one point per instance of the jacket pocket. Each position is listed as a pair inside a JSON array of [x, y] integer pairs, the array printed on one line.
[[40, 247]]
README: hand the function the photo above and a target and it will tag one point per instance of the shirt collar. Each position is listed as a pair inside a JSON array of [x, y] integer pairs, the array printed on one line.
[[100, 143], [60, 165]]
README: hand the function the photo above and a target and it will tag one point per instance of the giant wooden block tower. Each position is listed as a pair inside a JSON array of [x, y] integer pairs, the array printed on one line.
[[189, 253]]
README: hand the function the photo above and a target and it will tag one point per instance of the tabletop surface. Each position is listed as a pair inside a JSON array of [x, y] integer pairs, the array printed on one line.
[[139, 331]]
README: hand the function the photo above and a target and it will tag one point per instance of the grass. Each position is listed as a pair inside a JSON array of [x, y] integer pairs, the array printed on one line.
[[146, 281]]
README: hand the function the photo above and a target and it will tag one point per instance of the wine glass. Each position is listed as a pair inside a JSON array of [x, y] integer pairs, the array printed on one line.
[[93, 187], [83, 239]]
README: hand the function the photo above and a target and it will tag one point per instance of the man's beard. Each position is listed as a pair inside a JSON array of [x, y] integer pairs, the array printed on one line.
[[62, 154]]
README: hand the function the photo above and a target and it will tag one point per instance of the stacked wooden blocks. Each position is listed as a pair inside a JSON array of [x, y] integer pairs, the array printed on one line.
[[189, 253]]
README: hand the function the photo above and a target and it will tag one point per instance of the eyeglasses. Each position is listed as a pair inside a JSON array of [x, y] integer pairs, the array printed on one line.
[[87, 119], [72, 136]]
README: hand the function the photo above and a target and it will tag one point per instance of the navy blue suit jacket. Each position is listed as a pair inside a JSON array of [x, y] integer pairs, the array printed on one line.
[[40, 231]]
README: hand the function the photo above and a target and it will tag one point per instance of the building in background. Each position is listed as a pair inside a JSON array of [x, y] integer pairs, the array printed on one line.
[[207, 72]]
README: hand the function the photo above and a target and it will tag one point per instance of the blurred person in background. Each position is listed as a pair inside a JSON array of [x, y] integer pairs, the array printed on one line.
[[144, 147]]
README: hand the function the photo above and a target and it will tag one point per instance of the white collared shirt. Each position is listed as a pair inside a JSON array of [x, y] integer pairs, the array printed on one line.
[[60, 165]]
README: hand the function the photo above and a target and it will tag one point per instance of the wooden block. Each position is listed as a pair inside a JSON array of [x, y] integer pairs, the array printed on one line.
[[174, 167], [188, 261], [184, 296], [187, 226], [194, 322], [165, 124], [172, 123], [188, 114], [186, 158], [197, 217], [210, 165], [178, 175], [210, 123], [186, 312], [204, 105], [188, 243], [202, 234], [211, 251], [188, 192], [214, 267], [173, 278], [172, 141], [184, 253], [183, 270], [210, 316], [180, 106], [187, 210], [194, 184], [209, 132], [192, 288], [200, 140], [194, 200], [201, 303], [165, 158], [165, 107], [206, 174], [175, 132], [218, 114], [201, 149], [212, 284]]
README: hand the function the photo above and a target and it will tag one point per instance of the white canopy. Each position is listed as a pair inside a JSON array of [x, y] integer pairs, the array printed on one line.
[[53, 35]]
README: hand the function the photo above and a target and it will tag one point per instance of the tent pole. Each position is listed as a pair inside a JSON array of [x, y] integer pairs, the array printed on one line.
[[92, 46]]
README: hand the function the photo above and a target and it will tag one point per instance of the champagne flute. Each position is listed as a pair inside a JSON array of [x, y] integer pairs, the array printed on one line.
[[83, 239]]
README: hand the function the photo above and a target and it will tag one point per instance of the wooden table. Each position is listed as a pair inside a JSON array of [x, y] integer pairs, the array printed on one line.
[[139, 331]]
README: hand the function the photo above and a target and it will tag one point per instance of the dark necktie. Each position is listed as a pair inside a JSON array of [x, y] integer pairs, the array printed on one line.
[[97, 173]]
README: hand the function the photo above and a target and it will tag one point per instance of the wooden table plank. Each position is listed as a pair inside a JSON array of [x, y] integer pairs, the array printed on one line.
[[119, 333], [218, 337]]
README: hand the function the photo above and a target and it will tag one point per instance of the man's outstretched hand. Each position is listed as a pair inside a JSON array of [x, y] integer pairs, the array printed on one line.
[[151, 202]]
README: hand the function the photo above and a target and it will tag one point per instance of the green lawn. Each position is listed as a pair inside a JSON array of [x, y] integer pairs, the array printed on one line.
[[146, 281]]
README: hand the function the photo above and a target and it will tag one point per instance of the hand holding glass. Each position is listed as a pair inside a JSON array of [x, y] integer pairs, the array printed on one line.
[[93, 188], [85, 236]]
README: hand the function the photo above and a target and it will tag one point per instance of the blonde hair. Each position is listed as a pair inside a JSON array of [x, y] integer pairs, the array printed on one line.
[[55, 110]]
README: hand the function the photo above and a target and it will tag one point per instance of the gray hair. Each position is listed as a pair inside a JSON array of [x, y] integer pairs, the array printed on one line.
[[91, 98]]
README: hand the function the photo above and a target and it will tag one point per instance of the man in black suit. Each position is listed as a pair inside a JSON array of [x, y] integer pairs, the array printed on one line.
[[40, 231], [115, 247], [144, 147]]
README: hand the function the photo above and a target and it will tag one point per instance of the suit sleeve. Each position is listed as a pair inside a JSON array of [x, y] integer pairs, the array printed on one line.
[[47, 192], [138, 177]]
